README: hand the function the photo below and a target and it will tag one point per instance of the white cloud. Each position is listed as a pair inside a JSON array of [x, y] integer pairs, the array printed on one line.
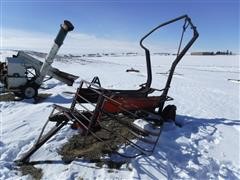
[[74, 43], [18, 39]]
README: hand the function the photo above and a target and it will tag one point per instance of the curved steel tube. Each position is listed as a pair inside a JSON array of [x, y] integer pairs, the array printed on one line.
[[179, 57]]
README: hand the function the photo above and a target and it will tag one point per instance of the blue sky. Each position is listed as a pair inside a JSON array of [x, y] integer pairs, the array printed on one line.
[[120, 22]]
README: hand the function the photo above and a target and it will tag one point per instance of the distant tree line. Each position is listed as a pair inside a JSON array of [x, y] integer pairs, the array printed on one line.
[[223, 52], [213, 53]]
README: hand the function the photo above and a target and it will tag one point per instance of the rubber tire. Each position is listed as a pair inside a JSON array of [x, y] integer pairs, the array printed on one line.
[[29, 91], [169, 113]]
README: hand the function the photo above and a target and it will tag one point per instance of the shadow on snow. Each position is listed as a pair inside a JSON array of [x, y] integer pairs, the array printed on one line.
[[181, 152]]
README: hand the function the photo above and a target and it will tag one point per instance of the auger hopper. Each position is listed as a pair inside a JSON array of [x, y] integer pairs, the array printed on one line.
[[93, 106]]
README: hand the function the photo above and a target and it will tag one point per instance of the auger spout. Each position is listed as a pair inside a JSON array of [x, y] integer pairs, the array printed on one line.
[[65, 28]]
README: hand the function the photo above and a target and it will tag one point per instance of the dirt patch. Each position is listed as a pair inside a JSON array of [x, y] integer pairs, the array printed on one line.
[[11, 97], [92, 149], [7, 97], [36, 173]]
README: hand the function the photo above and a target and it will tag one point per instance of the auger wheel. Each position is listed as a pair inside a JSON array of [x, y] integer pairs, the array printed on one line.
[[29, 91]]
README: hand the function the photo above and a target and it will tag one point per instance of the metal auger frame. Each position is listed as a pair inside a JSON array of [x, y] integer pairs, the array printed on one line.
[[23, 74]]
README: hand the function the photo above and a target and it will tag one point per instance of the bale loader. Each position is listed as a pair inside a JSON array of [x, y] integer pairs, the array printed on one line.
[[123, 107]]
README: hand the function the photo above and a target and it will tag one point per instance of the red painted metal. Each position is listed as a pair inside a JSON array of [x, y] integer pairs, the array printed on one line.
[[131, 103]]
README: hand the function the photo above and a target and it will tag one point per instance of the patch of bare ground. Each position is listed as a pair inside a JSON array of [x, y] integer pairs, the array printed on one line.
[[36, 173], [92, 149], [11, 97]]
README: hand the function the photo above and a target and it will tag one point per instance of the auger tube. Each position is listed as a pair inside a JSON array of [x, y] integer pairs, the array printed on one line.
[[64, 29]]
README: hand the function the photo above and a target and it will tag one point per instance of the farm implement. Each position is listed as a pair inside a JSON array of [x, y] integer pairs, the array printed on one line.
[[141, 113], [23, 74]]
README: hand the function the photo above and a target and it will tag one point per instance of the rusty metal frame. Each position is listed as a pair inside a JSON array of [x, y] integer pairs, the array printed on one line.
[[146, 89], [103, 95]]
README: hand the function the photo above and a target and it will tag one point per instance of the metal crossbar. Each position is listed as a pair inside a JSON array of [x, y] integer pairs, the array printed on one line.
[[99, 113]]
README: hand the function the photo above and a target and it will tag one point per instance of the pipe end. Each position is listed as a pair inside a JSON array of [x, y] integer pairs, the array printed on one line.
[[67, 26]]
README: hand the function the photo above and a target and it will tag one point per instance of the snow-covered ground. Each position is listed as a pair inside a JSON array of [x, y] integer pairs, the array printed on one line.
[[205, 90]]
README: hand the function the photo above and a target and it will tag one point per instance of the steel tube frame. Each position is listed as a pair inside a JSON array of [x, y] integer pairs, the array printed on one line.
[[175, 62]]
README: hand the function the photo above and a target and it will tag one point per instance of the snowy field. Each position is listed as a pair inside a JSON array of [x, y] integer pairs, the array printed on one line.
[[205, 90]]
